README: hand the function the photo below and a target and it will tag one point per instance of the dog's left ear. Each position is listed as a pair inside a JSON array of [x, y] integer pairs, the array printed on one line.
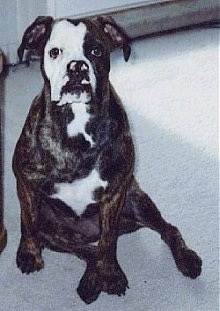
[[35, 36], [117, 36]]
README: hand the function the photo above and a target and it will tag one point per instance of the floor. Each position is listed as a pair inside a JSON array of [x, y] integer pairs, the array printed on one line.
[[170, 90]]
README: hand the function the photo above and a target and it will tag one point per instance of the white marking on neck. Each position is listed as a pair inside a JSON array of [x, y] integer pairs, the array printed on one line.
[[79, 193], [78, 124]]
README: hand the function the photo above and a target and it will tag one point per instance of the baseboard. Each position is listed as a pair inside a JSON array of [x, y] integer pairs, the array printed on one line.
[[147, 18]]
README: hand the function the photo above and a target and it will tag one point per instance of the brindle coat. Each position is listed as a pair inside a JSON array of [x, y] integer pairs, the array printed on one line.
[[45, 154]]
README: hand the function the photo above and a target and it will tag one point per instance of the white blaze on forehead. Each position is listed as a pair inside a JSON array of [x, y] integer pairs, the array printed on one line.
[[64, 33], [69, 39]]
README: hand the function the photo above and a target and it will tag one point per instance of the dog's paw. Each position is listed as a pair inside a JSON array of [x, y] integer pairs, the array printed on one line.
[[114, 280], [29, 260], [90, 285], [115, 284], [189, 263]]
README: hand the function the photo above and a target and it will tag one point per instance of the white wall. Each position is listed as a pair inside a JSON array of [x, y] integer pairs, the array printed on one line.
[[15, 16], [8, 33], [69, 8]]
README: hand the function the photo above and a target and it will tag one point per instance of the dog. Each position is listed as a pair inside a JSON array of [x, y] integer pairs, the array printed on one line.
[[74, 160]]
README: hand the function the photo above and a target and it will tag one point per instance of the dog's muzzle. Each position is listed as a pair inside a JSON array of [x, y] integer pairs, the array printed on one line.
[[78, 75]]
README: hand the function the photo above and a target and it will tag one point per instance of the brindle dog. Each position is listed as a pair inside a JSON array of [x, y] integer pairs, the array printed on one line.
[[74, 160]]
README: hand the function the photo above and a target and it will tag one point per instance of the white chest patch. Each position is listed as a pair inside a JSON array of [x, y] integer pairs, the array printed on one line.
[[78, 124], [79, 193]]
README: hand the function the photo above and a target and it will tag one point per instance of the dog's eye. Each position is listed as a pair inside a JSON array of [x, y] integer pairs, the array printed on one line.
[[97, 51], [54, 52]]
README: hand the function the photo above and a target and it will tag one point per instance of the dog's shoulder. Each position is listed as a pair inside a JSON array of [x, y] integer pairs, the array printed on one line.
[[35, 114], [30, 126], [117, 113]]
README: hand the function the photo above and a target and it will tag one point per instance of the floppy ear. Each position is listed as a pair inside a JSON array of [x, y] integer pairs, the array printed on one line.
[[117, 36], [34, 38]]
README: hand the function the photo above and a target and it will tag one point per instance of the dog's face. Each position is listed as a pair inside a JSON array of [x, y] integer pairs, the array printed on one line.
[[74, 58], [75, 54]]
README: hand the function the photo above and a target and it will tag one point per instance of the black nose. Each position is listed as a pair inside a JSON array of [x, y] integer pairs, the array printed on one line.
[[78, 70]]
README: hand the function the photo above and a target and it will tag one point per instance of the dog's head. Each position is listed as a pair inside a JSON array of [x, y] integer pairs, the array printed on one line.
[[75, 54]]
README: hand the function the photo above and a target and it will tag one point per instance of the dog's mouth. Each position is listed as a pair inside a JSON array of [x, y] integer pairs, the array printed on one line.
[[73, 92], [73, 86]]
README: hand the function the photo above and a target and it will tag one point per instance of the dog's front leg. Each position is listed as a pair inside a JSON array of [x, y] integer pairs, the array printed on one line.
[[104, 273], [29, 257], [114, 279]]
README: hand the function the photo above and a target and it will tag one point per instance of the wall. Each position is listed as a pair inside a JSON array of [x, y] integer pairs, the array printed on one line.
[[69, 8], [8, 32], [15, 16]]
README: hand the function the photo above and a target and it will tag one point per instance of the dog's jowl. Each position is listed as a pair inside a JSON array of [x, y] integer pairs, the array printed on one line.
[[74, 160]]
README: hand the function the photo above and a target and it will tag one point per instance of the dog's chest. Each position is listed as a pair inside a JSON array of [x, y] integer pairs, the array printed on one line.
[[79, 193]]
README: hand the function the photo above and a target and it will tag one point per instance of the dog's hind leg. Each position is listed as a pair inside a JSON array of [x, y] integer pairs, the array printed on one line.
[[139, 207]]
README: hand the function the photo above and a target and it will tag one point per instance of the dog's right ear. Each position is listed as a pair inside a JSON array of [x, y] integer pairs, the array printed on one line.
[[34, 38]]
